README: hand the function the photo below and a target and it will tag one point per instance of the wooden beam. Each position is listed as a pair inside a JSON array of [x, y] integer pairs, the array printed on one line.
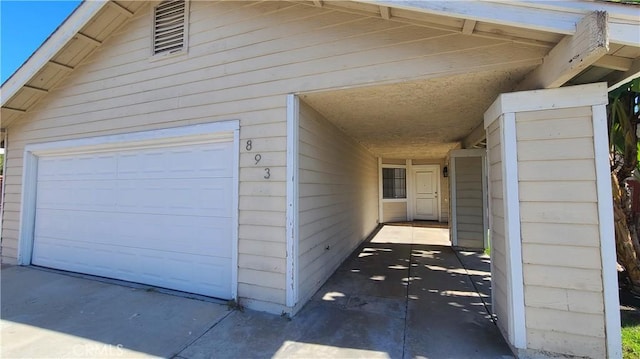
[[88, 39], [15, 110], [614, 63], [572, 54], [432, 25], [318, 3], [558, 17], [385, 12], [619, 79], [36, 89], [476, 136], [60, 66], [121, 9], [468, 26]]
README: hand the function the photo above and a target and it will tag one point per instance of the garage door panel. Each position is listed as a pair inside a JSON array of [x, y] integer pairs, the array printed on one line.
[[147, 266], [186, 234], [161, 216], [178, 162], [84, 167], [200, 196], [76, 194]]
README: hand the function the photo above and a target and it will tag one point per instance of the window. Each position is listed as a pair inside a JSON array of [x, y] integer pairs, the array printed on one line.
[[170, 27], [394, 183]]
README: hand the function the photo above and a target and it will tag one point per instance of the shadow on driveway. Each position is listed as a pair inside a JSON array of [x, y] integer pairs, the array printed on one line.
[[402, 294], [49, 314]]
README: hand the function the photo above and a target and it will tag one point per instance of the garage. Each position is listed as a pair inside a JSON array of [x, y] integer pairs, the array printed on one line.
[[156, 207]]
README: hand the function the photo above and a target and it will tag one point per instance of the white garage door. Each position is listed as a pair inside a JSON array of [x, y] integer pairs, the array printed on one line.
[[153, 215]]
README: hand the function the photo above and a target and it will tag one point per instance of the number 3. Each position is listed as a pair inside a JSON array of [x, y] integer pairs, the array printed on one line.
[[268, 173]]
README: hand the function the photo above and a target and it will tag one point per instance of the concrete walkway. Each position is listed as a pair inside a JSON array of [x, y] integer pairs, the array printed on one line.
[[404, 294]]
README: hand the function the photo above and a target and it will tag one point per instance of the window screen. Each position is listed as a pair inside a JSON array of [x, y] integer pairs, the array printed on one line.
[[394, 183]]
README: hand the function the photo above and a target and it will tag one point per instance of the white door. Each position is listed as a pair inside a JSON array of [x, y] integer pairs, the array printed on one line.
[[426, 193], [155, 215]]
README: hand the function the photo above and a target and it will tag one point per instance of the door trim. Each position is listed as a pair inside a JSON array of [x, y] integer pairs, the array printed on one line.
[[411, 193], [185, 135]]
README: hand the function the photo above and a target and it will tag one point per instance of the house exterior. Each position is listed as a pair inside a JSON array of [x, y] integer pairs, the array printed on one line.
[[242, 150]]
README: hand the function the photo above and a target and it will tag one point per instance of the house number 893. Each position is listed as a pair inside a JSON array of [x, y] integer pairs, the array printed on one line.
[[257, 158]]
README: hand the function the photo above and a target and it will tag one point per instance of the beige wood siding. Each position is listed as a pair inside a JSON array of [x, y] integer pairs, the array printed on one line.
[[560, 239], [500, 270], [338, 202], [394, 211], [469, 203], [243, 58]]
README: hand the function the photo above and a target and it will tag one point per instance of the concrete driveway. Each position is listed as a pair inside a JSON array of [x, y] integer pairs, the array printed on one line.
[[404, 294]]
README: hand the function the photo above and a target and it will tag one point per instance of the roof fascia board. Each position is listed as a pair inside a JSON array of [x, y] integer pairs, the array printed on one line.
[[616, 11], [625, 34], [76, 21], [559, 19]]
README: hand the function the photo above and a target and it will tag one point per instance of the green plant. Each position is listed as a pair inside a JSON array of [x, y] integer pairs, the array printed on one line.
[[624, 118], [630, 336]]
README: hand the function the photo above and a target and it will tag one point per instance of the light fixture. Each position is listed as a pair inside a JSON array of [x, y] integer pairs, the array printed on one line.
[[445, 171]]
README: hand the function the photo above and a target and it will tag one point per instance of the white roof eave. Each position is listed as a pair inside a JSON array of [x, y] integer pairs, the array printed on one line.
[[76, 21], [557, 17]]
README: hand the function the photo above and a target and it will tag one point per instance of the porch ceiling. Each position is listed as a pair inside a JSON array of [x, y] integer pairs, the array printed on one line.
[[421, 119]]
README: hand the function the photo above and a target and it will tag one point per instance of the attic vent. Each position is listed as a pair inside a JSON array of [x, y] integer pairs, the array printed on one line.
[[170, 27]]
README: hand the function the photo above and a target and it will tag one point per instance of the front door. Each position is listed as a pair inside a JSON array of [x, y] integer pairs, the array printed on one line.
[[426, 193]]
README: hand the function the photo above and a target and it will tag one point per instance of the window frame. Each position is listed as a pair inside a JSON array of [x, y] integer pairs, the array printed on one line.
[[398, 199]]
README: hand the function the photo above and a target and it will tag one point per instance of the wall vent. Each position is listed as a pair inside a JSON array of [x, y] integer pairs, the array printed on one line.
[[170, 27]]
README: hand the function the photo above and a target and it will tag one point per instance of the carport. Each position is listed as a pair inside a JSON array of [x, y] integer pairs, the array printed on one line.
[[352, 142]]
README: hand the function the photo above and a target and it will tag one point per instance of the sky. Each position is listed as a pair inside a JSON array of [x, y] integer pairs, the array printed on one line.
[[24, 25]]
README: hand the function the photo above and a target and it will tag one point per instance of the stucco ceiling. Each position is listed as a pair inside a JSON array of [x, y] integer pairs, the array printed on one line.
[[421, 119]]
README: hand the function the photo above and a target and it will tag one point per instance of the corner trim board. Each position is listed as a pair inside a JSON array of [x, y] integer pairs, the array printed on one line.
[[292, 230], [485, 200], [4, 133], [607, 235], [517, 320], [235, 216], [453, 200], [380, 189]]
